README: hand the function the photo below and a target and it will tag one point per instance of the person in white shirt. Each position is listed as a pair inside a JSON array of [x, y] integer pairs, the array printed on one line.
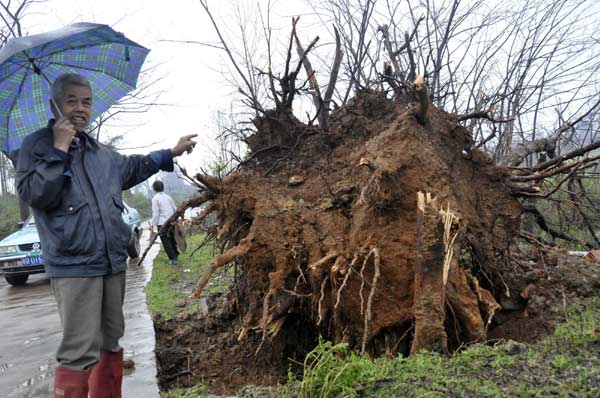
[[162, 208]]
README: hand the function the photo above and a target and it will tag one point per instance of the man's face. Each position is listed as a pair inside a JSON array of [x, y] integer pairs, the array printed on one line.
[[76, 105]]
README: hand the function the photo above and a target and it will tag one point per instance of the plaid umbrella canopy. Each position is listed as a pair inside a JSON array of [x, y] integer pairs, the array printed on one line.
[[28, 65]]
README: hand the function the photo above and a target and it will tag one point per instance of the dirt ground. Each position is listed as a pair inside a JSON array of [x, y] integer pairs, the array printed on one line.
[[552, 284], [203, 348]]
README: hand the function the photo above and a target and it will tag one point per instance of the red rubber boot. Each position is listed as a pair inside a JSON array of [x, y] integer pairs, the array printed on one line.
[[107, 376], [71, 383]]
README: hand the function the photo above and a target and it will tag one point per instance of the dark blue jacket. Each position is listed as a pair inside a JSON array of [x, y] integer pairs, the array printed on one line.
[[76, 201]]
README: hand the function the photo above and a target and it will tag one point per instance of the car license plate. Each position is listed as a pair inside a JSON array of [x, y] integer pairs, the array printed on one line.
[[34, 260]]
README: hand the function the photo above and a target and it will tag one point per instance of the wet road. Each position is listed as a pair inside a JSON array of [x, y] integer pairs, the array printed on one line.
[[30, 333]]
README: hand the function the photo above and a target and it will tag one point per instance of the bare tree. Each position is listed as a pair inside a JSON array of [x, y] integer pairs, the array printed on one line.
[[521, 76]]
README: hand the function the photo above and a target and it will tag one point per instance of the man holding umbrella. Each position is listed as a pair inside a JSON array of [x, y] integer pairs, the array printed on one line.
[[74, 184]]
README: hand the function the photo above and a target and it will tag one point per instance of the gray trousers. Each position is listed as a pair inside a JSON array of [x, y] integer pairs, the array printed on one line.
[[91, 313]]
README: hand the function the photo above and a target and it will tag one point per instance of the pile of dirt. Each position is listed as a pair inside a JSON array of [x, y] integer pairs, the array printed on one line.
[[553, 281]]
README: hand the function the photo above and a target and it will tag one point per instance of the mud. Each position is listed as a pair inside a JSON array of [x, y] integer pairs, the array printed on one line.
[[203, 348], [552, 282], [31, 332]]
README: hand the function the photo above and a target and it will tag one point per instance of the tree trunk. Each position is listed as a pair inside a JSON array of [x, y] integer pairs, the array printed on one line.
[[429, 286]]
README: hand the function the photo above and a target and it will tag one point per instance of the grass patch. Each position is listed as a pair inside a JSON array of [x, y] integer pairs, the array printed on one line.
[[171, 285], [192, 392], [9, 215], [566, 364]]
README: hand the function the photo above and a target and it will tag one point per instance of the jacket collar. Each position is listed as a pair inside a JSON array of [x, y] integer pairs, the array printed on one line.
[[85, 138]]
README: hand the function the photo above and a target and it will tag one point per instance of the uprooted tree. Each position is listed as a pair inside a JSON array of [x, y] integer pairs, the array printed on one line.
[[391, 224]]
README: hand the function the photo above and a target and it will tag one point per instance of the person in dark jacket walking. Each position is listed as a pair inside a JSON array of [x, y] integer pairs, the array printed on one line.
[[74, 185]]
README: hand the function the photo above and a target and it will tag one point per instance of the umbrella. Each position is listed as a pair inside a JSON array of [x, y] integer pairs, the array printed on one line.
[[109, 60]]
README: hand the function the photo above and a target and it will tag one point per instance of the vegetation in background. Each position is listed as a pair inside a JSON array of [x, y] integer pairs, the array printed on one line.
[[9, 215], [140, 202], [576, 222], [171, 285]]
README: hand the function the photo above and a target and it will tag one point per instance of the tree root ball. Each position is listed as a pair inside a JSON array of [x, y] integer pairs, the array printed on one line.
[[340, 249]]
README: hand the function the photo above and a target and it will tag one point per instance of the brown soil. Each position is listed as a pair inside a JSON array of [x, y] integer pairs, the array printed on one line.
[[204, 349], [313, 216], [553, 281]]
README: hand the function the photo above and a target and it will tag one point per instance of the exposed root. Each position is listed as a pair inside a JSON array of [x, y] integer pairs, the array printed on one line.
[[486, 299], [362, 285], [323, 261], [263, 320], [320, 305], [371, 185], [212, 184], [345, 281], [435, 254], [450, 221], [423, 98], [368, 314], [218, 261]]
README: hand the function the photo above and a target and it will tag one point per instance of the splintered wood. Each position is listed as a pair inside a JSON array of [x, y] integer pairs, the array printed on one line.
[[423, 99], [436, 234]]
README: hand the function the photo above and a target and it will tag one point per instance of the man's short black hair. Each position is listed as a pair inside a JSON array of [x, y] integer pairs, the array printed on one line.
[[158, 186]]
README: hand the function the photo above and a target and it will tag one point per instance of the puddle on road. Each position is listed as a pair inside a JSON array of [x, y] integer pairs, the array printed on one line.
[[5, 366], [31, 340]]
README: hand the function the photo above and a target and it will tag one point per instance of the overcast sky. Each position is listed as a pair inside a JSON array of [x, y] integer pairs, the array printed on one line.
[[193, 82]]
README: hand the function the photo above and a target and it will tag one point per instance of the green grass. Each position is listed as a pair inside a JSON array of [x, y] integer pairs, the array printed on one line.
[[565, 364], [192, 392], [171, 284], [9, 215]]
